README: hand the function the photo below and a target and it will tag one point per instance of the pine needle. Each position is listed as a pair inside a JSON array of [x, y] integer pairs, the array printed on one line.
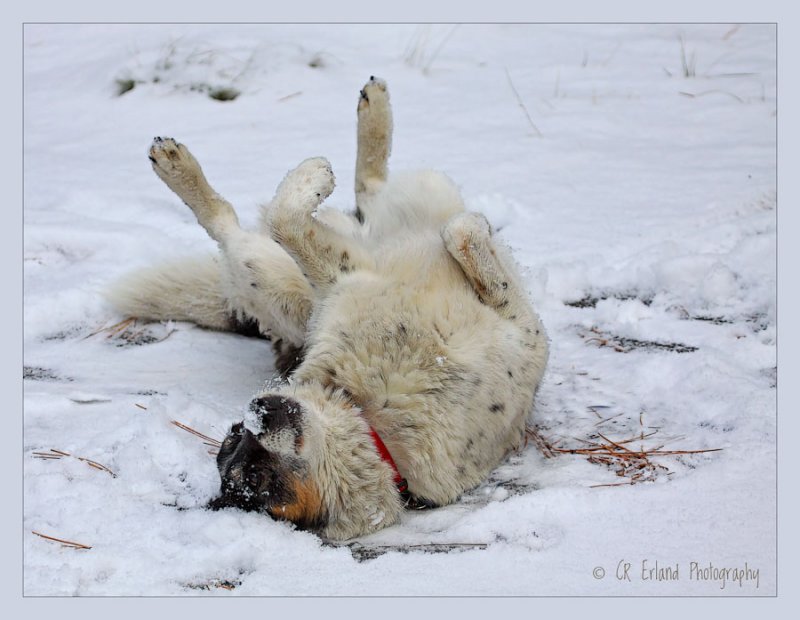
[[114, 329], [522, 105], [64, 543], [54, 454], [209, 441]]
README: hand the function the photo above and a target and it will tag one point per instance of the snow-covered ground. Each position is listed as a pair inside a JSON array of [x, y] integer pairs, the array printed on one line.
[[632, 169]]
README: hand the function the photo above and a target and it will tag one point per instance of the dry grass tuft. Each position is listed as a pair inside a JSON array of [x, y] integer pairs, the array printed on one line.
[[426, 45], [635, 465], [688, 65], [125, 331]]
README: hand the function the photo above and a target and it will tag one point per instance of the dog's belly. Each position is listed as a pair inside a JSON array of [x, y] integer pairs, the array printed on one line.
[[435, 372]]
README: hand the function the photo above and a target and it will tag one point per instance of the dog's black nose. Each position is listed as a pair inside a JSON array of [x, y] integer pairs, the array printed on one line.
[[278, 412]]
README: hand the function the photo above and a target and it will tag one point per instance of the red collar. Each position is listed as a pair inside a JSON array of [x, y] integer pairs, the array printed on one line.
[[402, 484]]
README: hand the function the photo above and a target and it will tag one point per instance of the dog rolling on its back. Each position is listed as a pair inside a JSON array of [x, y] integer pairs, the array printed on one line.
[[412, 351]]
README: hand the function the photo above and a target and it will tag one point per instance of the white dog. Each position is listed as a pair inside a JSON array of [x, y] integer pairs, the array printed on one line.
[[411, 349]]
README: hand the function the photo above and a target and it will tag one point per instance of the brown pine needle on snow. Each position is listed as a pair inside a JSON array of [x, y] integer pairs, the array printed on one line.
[[54, 454], [64, 543], [532, 433], [612, 484], [209, 441]]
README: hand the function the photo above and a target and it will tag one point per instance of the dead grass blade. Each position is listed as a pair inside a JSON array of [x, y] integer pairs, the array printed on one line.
[[711, 92], [522, 105], [64, 543], [209, 441], [114, 329], [290, 96], [731, 32], [616, 445], [613, 484], [613, 417], [54, 454], [124, 330], [532, 433]]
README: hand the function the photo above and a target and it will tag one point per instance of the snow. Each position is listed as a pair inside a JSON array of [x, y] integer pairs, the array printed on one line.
[[639, 202]]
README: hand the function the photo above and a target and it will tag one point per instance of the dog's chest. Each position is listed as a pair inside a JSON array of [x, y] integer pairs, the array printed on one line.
[[373, 338]]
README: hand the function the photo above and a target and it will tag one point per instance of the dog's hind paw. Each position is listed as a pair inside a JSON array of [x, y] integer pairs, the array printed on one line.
[[464, 231]]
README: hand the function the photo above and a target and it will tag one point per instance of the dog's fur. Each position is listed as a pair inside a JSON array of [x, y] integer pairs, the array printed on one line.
[[406, 318]]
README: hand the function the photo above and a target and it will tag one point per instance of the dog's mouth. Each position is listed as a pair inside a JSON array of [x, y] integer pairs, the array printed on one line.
[[237, 498], [241, 463]]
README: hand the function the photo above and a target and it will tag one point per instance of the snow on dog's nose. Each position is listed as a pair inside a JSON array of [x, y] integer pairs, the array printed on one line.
[[281, 419]]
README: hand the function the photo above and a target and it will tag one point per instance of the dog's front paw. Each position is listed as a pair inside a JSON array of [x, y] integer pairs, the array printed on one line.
[[169, 156], [173, 163]]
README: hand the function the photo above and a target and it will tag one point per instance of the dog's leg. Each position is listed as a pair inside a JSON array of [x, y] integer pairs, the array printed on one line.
[[374, 142], [259, 278], [468, 238], [322, 252], [177, 167]]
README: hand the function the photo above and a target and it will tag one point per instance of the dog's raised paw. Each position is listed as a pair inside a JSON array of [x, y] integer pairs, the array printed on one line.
[[465, 230], [170, 158], [313, 179], [374, 93]]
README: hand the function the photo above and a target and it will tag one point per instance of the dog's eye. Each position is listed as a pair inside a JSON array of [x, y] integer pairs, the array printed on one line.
[[237, 429]]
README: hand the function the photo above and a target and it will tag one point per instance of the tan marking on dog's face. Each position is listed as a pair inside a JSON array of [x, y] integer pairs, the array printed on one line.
[[306, 510]]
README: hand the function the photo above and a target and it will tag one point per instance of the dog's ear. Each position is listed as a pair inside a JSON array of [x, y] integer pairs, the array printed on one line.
[[277, 413]]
